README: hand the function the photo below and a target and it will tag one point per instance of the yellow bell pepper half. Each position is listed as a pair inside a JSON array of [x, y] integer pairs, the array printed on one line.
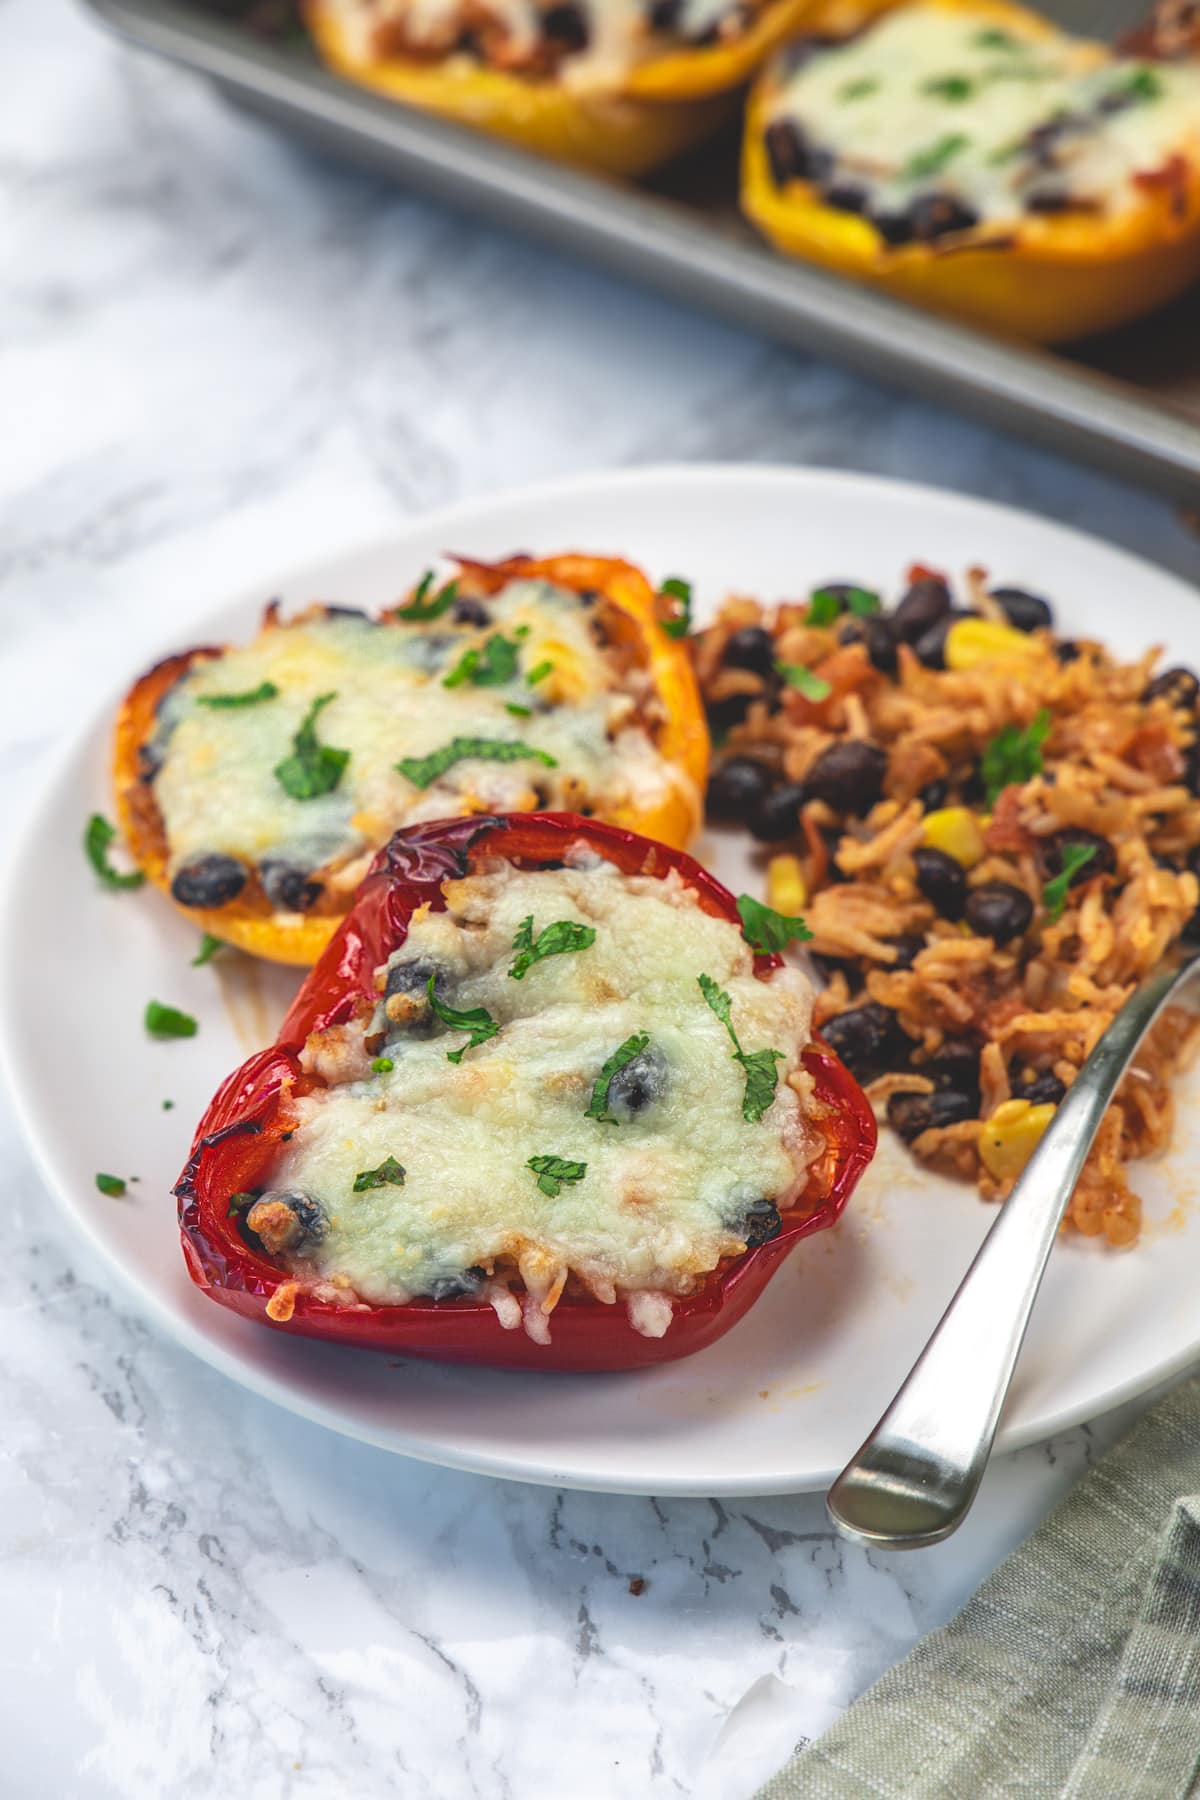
[[1049, 278]]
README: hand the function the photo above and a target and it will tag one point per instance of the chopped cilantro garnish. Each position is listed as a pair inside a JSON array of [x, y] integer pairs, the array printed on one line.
[[633, 1046], [209, 945], [676, 588], [559, 939], [421, 770], [538, 673], [313, 768], [766, 929], [168, 1106], [96, 840], [1014, 755], [552, 1171], [168, 1022], [993, 38], [266, 690], [419, 610], [492, 666], [862, 89], [933, 160], [1054, 893], [1136, 88], [390, 1173], [762, 1077], [519, 712], [813, 687], [949, 87], [477, 1021], [824, 607], [382, 1065], [862, 602], [112, 1185]]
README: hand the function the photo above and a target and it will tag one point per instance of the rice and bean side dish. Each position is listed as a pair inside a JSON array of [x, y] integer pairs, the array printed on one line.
[[993, 832]]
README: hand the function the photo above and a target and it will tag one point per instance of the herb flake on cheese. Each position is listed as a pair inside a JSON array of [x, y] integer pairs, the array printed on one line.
[[762, 1077], [423, 770], [553, 1171], [390, 1173], [632, 1047], [266, 690], [562, 938], [313, 768], [477, 1020]]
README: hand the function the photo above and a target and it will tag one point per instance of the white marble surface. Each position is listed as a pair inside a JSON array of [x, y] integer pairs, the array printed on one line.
[[218, 352]]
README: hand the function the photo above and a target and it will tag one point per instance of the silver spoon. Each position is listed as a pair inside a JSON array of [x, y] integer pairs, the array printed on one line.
[[912, 1481]]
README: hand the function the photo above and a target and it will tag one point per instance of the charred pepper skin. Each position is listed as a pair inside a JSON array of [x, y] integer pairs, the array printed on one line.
[[239, 1137]]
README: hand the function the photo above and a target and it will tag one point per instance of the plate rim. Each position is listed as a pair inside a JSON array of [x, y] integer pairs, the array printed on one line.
[[174, 1322]]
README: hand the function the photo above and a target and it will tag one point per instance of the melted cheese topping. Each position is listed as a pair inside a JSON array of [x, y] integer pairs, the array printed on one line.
[[218, 791], [930, 100], [619, 34], [666, 1189]]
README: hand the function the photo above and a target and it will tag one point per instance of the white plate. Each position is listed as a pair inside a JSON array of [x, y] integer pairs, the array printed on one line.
[[778, 1404]]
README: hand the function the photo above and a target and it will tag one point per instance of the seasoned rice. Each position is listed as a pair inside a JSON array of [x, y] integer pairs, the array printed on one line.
[[980, 1035]]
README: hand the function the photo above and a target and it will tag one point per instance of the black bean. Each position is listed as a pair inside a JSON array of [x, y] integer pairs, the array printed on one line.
[[930, 647], [1067, 650], [288, 888], [750, 648], [737, 787], [911, 1114], [777, 815], [758, 1223], [566, 25], [895, 228], [800, 51], [405, 1006], [664, 14], [457, 1287], [346, 612], [846, 196], [311, 1214], [999, 910], [954, 1064], [1192, 860], [469, 611], [867, 1038], [1045, 1088], [1024, 611], [848, 776], [907, 947], [640, 1083], [723, 714], [829, 966], [413, 978], [788, 152], [210, 881], [1102, 862], [1179, 686], [943, 882], [934, 795], [879, 635], [936, 216], [927, 601]]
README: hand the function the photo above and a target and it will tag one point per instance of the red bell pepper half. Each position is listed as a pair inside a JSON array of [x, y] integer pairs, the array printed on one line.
[[239, 1136]]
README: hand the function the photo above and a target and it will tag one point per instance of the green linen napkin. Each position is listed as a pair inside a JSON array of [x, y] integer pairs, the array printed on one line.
[[1074, 1672]]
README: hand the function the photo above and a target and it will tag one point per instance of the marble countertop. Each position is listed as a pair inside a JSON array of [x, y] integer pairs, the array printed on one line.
[[211, 340]]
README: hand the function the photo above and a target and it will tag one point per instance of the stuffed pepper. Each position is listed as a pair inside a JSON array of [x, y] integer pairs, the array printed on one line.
[[968, 156], [617, 85], [255, 785], [541, 1103]]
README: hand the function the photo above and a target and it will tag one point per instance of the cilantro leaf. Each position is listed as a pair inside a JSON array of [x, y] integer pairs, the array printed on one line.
[[676, 588], [390, 1173], [518, 712], [828, 603], [112, 1185], [1054, 893], [762, 1077], [168, 1022], [993, 38], [632, 1047], [266, 690], [559, 939], [766, 929], [1014, 755], [209, 945], [422, 770], [1134, 90], [813, 687], [96, 840], [313, 768], [862, 89], [492, 666], [949, 87], [933, 160], [419, 610], [539, 673], [477, 1020], [382, 1065], [552, 1171]]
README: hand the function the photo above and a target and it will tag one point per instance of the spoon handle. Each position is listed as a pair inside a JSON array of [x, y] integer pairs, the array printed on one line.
[[912, 1481]]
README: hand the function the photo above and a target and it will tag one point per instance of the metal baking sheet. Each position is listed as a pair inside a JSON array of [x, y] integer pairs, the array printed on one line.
[[1129, 402]]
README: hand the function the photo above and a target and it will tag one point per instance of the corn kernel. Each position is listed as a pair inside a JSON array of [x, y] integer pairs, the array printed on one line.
[[972, 642], [786, 890], [1011, 1136], [957, 831]]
